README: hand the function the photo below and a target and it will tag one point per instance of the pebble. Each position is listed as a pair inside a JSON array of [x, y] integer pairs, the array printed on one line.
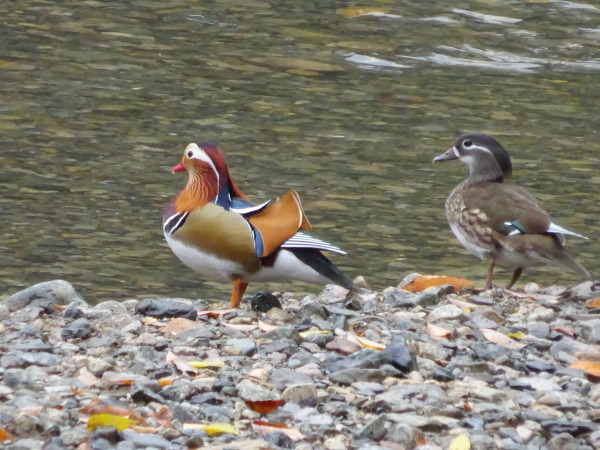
[[422, 390]]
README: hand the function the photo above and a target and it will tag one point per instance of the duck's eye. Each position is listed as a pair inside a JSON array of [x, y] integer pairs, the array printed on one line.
[[468, 143], [190, 154]]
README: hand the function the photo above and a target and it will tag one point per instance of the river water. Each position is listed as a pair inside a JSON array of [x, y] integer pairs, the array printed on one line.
[[348, 106]]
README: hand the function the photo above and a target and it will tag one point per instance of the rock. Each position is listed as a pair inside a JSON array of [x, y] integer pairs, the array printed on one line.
[[300, 393], [399, 354], [542, 314], [245, 347], [166, 308], [98, 366], [247, 390], [445, 313], [78, 329], [563, 441], [56, 292], [143, 440], [583, 291], [349, 376], [339, 442], [279, 439], [403, 435], [264, 301], [375, 429], [342, 345]]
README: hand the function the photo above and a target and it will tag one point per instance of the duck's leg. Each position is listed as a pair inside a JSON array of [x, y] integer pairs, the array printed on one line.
[[515, 277], [488, 281], [239, 287]]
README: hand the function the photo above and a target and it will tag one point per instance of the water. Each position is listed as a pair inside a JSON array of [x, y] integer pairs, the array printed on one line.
[[99, 99]]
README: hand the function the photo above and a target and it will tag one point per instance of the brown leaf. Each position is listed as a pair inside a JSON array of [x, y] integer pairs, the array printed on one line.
[[594, 303], [566, 329], [166, 381], [162, 417], [589, 367], [180, 324], [264, 406], [500, 339], [180, 363], [213, 314], [263, 326], [265, 428], [4, 436], [437, 332], [423, 282], [462, 304]]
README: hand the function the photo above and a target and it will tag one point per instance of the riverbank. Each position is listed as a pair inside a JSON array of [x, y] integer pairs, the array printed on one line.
[[394, 370]]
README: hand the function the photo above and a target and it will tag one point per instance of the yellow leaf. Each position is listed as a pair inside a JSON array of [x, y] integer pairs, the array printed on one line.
[[367, 343], [206, 364], [517, 335], [305, 334], [358, 11], [109, 420], [460, 442], [212, 428], [498, 338]]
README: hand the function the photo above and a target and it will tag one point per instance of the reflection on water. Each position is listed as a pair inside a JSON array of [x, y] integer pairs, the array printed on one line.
[[98, 99]]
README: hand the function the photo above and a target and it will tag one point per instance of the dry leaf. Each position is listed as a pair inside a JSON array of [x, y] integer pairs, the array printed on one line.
[[566, 329], [206, 364], [87, 377], [359, 11], [500, 339], [460, 442], [97, 407], [589, 367], [462, 304], [181, 364], [595, 303], [212, 429], [214, 314], [423, 282], [367, 343], [264, 406], [263, 326], [265, 428], [4, 436], [305, 334], [109, 420], [437, 332], [145, 430], [180, 324], [166, 381], [517, 335]]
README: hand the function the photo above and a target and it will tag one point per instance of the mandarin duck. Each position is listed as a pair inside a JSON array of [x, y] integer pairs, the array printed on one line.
[[214, 229], [500, 221]]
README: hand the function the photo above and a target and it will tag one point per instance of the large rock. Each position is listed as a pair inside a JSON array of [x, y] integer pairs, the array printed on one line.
[[57, 292]]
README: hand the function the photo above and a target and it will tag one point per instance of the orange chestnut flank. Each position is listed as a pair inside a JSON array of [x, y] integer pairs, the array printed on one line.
[[217, 231]]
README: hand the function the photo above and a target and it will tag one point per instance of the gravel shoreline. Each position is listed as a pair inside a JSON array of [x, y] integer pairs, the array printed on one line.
[[380, 370]]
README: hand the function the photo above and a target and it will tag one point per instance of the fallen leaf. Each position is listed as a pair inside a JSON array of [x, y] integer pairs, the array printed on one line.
[[122, 381], [206, 364], [595, 303], [162, 417], [517, 335], [181, 364], [423, 282], [264, 406], [180, 324], [566, 329], [213, 314], [460, 442], [97, 407], [305, 334], [500, 339], [166, 381], [359, 11], [87, 377], [367, 343], [145, 430], [4, 436], [212, 429], [109, 420], [265, 428], [589, 367], [462, 304], [263, 326], [437, 332]]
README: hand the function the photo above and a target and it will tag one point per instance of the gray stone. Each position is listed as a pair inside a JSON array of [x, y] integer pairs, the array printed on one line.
[[247, 390], [56, 292], [399, 354], [563, 441], [403, 435], [375, 429], [20, 359], [542, 314], [540, 330], [143, 440], [246, 347], [349, 376], [583, 291], [166, 308], [297, 393], [277, 334], [446, 312], [114, 307], [78, 329]]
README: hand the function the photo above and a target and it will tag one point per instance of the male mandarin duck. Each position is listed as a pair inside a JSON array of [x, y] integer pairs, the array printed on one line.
[[499, 221], [214, 229]]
